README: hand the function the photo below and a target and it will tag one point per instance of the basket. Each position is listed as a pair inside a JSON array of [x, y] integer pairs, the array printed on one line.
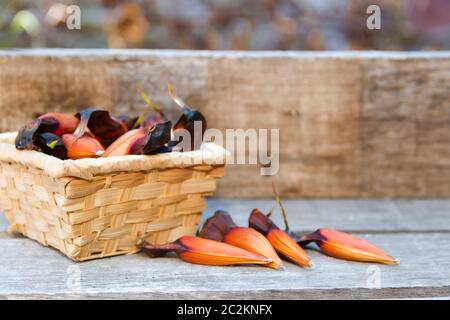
[[94, 208]]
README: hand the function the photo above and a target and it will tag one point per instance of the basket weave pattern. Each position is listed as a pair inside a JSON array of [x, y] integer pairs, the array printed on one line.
[[104, 217], [93, 208]]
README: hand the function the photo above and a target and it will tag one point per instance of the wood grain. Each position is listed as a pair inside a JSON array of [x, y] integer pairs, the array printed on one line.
[[40, 272], [415, 231], [351, 124], [353, 215]]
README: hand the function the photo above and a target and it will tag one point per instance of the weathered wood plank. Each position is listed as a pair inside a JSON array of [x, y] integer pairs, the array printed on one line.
[[331, 294], [355, 215], [39, 272], [352, 124]]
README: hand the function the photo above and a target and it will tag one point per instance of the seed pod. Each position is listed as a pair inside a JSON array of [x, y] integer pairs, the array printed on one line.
[[141, 141], [221, 227], [203, 251], [64, 123], [157, 137], [53, 122], [25, 139], [84, 147], [99, 122], [124, 145], [51, 144], [188, 119], [345, 246], [154, 140], [280, 240]]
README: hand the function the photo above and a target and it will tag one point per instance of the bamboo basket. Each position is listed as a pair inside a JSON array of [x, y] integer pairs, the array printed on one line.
[[94, 208]]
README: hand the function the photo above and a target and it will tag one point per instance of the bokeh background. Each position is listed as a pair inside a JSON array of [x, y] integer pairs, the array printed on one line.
[[227, 24]]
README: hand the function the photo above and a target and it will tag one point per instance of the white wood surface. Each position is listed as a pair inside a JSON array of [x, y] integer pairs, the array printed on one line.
[[416, 232], [29, 270]]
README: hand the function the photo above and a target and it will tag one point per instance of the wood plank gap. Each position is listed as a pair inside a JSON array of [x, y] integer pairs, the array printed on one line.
[[340, 294]]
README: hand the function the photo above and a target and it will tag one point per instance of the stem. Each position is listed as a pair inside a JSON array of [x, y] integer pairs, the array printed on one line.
[[150, 105], [278, 200], [175, 98]]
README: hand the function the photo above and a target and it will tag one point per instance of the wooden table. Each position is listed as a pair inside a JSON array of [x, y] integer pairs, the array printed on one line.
[[415, 231]]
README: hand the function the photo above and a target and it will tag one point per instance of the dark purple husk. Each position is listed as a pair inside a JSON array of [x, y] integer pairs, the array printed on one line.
[[158, 137]]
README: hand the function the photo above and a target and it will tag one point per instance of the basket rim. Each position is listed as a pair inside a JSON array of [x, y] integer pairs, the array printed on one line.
[[209, 154]]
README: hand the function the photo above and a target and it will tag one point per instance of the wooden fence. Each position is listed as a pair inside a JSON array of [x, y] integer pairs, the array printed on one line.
[[352, 124]]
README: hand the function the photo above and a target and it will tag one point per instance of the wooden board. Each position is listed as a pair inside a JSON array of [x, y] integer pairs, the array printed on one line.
[[360, 124], [353, 215], [422, 243], [44, 273]]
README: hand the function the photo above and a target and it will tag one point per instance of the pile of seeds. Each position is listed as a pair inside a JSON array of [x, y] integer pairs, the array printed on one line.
[[93, 133], [221, 242]]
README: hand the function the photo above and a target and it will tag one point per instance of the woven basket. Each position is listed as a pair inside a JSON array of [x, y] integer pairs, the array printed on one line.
[[94, 208]]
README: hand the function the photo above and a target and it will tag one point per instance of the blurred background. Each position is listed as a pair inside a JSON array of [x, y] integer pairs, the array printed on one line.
[[227, 24]]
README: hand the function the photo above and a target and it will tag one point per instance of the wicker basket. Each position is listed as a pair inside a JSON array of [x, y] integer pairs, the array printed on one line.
[[94, 208]]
